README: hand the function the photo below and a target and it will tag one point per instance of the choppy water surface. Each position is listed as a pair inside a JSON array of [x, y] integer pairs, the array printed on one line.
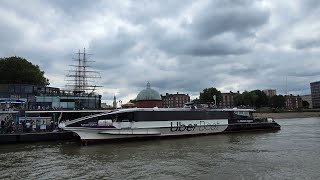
[[291, 153]]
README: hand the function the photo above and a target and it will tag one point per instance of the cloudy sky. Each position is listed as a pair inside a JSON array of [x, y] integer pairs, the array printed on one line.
[[178, 46]]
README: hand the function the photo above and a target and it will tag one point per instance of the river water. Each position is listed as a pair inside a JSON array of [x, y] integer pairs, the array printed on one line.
[[291, 153]]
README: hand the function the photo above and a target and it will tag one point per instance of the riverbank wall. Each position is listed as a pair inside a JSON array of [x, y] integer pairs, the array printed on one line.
[[287, 115], [36, 137]]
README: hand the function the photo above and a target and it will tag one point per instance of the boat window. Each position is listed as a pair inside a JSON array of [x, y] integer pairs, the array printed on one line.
[[242, 113], [177, 115], [107, 116], [125, 117]]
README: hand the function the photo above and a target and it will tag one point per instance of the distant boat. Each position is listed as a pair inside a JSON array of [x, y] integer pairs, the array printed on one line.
[[159, 122]]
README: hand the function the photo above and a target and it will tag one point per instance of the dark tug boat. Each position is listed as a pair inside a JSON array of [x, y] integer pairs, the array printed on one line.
[[254, 125], [160, 122]]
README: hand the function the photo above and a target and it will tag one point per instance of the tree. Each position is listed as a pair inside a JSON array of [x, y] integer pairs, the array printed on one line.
[[254, 98], [238, 100], [207, 94], [277, 101], [17, 70], [249, 98], [305, 104], [261, 98]]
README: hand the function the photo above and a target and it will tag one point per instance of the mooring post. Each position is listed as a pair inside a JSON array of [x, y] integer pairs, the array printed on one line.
[[17, 118], [54, 120]]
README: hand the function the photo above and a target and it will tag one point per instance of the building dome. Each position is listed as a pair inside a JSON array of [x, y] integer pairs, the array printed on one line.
[[148, 94]]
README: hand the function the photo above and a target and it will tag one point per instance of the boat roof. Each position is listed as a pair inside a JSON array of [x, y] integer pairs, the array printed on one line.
[[117, 111], [173, 109], [66, 111]]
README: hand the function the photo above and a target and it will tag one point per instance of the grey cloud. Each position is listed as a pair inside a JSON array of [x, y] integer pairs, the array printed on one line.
[[112, 53], [9, 37], [188, 44], [186, 84], [250, 68], [107, 96], [299, 71], [75, 8], [309, 5], [110, 46], [216, 30], [223, 45], [307, 43], [242, 70], [314, 73], [144, 11], [239, 17], [215, 48]]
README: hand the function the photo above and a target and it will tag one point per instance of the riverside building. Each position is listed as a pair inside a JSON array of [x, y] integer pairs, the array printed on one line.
[[175, 100], [315, 94], [270, 92], [227, 100], [293, 102], [41, 97], [308, 99]]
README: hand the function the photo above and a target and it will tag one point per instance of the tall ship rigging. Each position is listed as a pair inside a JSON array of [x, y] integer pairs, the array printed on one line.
[[81, 79]]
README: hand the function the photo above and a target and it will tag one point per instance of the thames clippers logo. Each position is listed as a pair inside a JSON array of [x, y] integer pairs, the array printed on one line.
[[178, 126]]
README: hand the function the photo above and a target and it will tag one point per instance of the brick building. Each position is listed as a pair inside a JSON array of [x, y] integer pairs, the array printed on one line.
[[227, 100], [293, 102], [175, 100]]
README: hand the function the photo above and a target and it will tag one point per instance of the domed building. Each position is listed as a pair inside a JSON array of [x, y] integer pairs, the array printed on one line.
[[148, 98]]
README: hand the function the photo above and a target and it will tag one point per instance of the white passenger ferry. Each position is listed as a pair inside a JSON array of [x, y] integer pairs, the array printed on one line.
[[158, 122]]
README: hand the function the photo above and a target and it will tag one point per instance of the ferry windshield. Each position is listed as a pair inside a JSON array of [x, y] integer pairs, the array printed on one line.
[[243, 113], [118, 117], [125, 117]]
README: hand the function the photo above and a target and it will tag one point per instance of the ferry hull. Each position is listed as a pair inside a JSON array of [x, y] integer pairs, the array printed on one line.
[[165, 122], [97, 134], [92, 134]]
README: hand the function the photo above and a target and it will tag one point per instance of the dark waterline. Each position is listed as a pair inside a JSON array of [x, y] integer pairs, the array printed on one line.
[[291, 153]]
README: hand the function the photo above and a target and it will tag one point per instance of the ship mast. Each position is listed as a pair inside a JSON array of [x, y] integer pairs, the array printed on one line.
[[80, 79]]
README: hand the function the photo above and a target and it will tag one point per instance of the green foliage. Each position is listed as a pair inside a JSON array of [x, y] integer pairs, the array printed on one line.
[[248, 98], [277, 101], [17, 70], [261, 99], [238, 99], [206, 96], [254, 98], [305, 104]]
